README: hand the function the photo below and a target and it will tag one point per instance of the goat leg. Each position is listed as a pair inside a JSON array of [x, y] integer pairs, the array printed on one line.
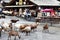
[[9, 37], [19, 36], [15, 38], [27, 33]]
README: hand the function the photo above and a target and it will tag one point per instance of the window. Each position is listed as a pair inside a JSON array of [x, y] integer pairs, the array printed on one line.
[[44, 14]]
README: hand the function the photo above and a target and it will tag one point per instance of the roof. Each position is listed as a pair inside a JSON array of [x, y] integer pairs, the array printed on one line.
[[46, 2], [20, 6]]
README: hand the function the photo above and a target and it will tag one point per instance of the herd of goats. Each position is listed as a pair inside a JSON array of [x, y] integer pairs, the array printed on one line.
[[24, 28]]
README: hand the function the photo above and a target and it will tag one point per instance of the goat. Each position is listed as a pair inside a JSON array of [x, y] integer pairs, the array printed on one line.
[[27, 30], [13, 33], [45, 28], [34, 26]]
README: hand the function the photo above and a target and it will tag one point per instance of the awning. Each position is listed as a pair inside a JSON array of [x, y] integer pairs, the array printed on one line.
[[20, 6], [47, 10]]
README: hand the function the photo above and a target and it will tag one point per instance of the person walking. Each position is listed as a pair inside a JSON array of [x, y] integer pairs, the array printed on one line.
[[28, 14]]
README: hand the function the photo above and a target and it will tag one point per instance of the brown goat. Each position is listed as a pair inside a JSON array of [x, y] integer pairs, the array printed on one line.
[[13, 33], [45, 27], [22, 26], [25, 28], [33, 26]]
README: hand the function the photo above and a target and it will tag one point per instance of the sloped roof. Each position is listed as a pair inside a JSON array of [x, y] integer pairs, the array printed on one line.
[[46, 2]]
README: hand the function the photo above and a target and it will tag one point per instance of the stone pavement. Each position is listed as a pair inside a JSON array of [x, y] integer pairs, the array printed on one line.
[[54, 33]]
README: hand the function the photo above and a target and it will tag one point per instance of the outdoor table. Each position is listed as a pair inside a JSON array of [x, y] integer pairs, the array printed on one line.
[[52, 19], [38, 19]]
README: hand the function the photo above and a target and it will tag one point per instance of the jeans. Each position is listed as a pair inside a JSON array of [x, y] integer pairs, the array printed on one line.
[[28, 17]]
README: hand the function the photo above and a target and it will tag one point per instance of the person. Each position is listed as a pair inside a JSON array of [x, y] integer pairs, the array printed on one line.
[[0, 10], [1, 6], [0, 30], [28, 14]]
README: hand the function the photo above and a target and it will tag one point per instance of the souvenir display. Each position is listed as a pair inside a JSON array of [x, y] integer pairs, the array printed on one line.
[[20, 2]]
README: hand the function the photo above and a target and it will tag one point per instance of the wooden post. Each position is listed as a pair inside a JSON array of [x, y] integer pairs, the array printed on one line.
[[0, 32]]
